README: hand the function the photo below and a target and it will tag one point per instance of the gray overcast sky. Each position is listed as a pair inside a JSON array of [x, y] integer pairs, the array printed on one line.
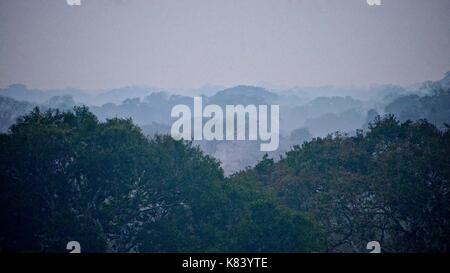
[[189, 43]]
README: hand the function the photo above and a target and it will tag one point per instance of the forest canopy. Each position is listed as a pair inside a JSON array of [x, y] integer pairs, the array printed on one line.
[[67, 176]]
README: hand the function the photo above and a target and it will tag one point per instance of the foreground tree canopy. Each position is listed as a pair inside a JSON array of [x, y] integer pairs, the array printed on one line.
[[390, 185], [66, 176]]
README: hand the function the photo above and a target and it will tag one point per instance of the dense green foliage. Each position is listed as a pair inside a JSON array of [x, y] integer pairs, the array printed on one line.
[[391, 185], [66, 176]]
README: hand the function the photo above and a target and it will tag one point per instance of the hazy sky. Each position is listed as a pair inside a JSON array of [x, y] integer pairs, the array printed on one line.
[[189, 43]]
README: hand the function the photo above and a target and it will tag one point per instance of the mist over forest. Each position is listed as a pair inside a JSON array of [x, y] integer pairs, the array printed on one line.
[[305, 112], [353, 166]]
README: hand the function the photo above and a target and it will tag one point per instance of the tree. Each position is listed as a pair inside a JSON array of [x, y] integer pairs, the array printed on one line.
[[390, 185], [66, 176]]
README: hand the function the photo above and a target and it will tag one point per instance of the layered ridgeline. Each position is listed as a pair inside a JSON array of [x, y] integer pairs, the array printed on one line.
[[305, 113], [68, 176]]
